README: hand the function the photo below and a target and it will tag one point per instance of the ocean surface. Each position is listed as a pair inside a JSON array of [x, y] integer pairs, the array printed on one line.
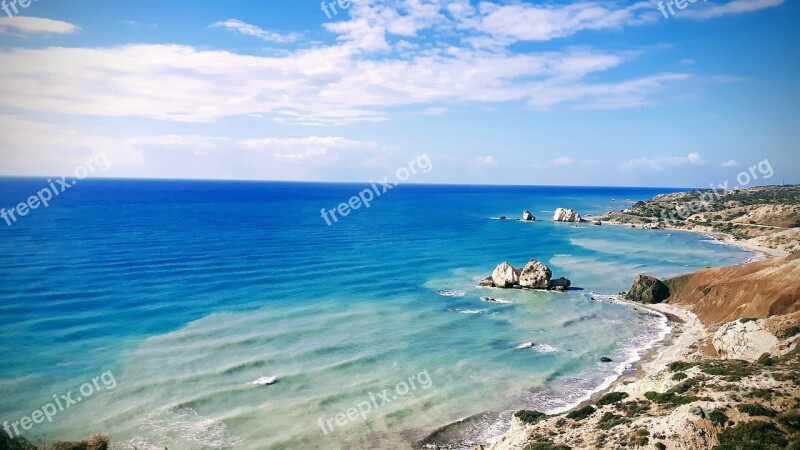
[[184, 293]]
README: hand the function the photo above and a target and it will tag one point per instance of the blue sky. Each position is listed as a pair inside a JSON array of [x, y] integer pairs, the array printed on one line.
[[494, 92]]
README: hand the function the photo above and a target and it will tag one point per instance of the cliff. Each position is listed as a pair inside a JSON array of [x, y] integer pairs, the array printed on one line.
[[758, 290]]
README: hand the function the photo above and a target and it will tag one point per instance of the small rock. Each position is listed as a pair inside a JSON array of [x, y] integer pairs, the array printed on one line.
[[528, 216], [503, 217], [606, 359]]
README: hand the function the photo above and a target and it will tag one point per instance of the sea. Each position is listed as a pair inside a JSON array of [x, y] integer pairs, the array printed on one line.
[[145, 310]]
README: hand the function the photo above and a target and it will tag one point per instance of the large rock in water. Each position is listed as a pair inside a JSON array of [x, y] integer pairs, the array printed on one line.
[[744, 339], [505, 275], [527, 215], [647, 289], [566, 215], [535, 275]]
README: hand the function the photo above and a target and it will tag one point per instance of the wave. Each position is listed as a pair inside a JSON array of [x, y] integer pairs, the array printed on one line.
[[446, 293], [496, 300], [180, 428]]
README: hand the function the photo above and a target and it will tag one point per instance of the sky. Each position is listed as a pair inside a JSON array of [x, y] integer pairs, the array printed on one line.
[[493, 92]]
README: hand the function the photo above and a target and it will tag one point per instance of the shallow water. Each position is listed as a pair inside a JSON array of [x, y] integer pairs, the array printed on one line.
[[189, 291]]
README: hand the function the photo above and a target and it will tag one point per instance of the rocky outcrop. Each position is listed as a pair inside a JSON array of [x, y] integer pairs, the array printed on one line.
[[647, 289], [505, 276], [535, 275], [559, 284], [527, 215], [745, 339], [566, 215]]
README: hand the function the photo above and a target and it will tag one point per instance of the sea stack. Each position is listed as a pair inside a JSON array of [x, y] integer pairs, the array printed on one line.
[[528, 216], [534, 275], [567, 215], [647, 289]]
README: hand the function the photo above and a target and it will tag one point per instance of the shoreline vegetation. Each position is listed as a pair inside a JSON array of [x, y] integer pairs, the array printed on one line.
[[727, 375]]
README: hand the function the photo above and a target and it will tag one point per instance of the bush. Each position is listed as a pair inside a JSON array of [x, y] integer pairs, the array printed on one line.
[[765, 360], [670, 398], [530, 417], [581, 413], [791, 332], [717, 417], [680, 366], [679, 376], [611, 398], [755, 409], [791, 421], [731, 370], [754, 435], [610, 420]]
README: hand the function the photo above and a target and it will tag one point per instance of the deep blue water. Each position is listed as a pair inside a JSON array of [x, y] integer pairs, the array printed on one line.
[[189, 290]]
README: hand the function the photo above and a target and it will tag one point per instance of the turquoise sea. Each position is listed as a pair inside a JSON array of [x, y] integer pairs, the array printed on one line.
[[185, 292]]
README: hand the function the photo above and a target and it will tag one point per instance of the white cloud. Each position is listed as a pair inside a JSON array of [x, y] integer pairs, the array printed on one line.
[[486, 161], [563, 161], [35, 25], [258, 32], [730, 163], [662, 162], [542, 22], [714, 10]]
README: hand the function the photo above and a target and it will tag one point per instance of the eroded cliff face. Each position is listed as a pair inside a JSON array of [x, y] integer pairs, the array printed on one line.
[[724, 294]]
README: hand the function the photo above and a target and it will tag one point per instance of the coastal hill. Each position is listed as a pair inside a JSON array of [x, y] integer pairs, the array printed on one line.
[[761, 290], [760, 216], [728, 376]]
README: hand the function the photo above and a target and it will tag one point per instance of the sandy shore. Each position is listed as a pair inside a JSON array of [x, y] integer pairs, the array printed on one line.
[[686, 332]]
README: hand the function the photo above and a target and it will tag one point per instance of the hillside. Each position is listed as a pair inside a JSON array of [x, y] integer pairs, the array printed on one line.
[[757, 290], [760, 216]]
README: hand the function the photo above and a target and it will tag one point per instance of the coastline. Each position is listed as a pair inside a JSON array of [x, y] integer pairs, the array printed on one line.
[[685, 333], [721, 238]]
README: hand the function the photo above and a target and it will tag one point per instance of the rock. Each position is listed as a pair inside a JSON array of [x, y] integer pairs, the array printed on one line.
[[528, 216], [598, 223], [535, 275], [606, 359], [744, 339], [647, 289], [566, 215], [560, 284], [503, 217], [487, 282], [559, 289], [505, 276]]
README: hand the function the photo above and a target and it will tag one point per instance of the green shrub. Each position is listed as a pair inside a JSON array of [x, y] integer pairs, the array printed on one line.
[[717, 417], [610, 420], [611, 398], [756, 409], [754, 435], [765, 360], [791, 332], [680, 366], [730, 370], [581, 413], [530, 417], [791, 421], [679, 376], [670, 398]]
